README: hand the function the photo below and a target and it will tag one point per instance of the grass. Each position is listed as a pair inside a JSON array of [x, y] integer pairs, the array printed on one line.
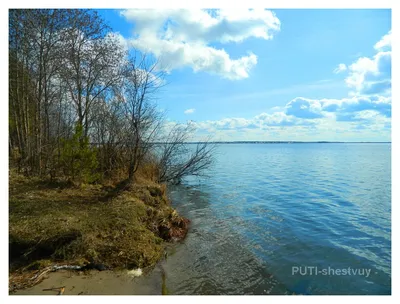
[[62, 223]]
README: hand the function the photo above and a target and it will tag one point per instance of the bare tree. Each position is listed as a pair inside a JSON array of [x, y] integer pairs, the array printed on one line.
[[177, 157], [94, 61], [67, 73], [143, 120], [34, 52], [108, 134]]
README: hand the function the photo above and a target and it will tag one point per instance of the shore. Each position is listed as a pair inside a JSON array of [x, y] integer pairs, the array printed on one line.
[[98, 283], [115, 228]]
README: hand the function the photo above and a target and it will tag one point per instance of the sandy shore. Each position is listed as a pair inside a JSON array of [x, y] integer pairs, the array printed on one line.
[[98, 283]]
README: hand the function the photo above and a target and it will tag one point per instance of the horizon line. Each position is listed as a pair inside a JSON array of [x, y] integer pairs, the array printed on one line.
[[288, 141]]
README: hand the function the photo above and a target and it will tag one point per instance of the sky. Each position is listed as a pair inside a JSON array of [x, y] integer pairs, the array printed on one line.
[[290, 75]]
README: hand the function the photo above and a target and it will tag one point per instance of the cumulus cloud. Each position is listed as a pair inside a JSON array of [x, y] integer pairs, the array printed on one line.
[[365, 114], [189, 111], [340, 68], [385, 42], [311, 114], [224, 124], [279, 119], [304, 108], [261, 121], [354, 117], [379, 104], [182, 37], [372, 75]]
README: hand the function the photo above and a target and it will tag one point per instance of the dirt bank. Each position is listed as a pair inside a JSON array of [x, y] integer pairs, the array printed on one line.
[[117, 227]]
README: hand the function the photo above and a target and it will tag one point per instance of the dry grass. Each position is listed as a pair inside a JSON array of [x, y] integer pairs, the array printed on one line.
[[52, 223]]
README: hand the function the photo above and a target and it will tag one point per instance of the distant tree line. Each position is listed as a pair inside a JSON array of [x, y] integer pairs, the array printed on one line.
[[82, 105]]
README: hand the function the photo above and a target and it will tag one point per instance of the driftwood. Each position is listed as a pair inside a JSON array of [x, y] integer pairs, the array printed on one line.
[[21, 282], [89, 266], [36, 278], [60, 290]]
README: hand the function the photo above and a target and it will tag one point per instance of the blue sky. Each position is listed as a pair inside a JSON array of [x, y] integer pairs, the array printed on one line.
[[270, 74]]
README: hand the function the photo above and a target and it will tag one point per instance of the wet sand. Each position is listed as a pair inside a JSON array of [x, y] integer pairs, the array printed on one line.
[[98, 283]]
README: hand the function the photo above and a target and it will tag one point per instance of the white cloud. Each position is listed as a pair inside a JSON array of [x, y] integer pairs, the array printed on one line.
[[340, 68], [261, 121], [189, 111], [199, 58], [311, 114], [348, 107], [363, 124], [304, 108], [364, 115], [182, 37], [385, 42], [372, 75]]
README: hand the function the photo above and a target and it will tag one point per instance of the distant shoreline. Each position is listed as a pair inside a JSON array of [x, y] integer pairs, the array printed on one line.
[[292, 142], [272, 142]]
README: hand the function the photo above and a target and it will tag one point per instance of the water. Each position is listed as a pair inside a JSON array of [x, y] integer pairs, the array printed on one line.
[[267, 208]]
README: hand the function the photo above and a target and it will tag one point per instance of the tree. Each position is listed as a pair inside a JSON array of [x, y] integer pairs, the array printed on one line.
[[35, 53], [177, 158], [93, 62], [78, 159], [79, 105], [52, 53], [21, 114], [143, 120], [108, 134]]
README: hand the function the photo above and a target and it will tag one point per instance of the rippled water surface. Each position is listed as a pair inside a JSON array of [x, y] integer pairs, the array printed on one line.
[[266, 208]]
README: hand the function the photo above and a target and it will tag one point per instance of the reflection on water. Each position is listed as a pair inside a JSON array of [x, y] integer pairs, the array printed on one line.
[[268, 208]]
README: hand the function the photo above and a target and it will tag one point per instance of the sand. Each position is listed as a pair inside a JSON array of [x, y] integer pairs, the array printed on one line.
[[98, 283]]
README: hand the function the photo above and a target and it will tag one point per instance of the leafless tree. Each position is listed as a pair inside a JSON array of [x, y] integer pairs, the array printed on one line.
[[177, 157], [34, 63], [142, 81], [68, 71], [93, 63], [108, 134]]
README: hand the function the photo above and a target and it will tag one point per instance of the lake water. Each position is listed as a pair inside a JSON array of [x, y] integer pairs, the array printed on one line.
[[268, 209]]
